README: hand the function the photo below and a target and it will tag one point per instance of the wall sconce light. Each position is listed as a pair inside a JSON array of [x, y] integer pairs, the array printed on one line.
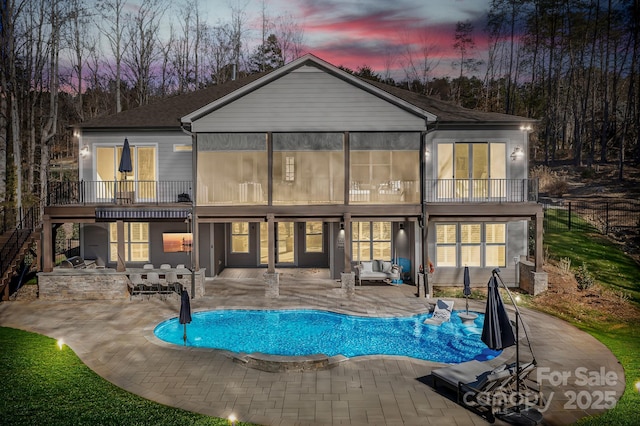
[[84, 151], [517, 153], [401, 226], [342, 226], [526, 128]]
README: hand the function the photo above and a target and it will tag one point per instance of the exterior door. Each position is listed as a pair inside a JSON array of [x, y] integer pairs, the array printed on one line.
[[285, 244]]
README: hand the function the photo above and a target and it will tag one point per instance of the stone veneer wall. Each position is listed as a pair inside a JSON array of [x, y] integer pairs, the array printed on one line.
[[96, 284], [531, 281]]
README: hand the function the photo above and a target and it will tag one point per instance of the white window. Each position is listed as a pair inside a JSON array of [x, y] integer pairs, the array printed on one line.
[[136, 242], [371, 240], [313, 237], [289, 169], [240, 237], [471, 244]]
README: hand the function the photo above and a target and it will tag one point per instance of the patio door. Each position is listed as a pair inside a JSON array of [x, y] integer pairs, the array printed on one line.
[[141, 181], [285, 244]]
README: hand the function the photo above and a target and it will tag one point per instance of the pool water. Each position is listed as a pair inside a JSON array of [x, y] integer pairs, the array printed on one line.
[[308, 332]]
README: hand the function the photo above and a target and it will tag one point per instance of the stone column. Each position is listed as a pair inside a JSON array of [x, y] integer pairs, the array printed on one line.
[[348, 280], [272, 284]]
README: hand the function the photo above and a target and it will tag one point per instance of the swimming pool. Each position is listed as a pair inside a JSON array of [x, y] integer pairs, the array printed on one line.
[[308, 332]]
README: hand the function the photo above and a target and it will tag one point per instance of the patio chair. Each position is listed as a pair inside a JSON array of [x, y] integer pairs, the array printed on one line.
[[180, 266], [135, 285], [172, 284], [148, 266], [441, 312], [165, 266], [153, 285]]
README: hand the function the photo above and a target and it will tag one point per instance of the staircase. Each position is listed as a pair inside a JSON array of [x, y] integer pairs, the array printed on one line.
[[15, 245]]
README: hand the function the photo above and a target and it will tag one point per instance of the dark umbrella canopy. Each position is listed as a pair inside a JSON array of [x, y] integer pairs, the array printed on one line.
[[497, 332], [467, 286], [185, 312], [467, 282], [185, 308], [125, 159]]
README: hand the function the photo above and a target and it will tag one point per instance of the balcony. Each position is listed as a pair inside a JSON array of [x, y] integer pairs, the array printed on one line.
[[86, 192], [481, 191], [445, 191]]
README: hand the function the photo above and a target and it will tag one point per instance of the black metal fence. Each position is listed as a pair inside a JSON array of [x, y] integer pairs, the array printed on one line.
[[67, 248], [606, 217]]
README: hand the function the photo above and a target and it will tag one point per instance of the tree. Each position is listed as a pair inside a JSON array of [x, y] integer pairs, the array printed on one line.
[[266, 57], [465, 46], [419, 63], [143, 51], [111, 24], [80, 42]]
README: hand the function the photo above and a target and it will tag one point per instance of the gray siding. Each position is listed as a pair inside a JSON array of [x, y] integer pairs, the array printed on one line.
[[171, 166], [515, 169], [308, 100]]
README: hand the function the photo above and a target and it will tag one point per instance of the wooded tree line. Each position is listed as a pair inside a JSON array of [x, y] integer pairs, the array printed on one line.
[[572, 64]]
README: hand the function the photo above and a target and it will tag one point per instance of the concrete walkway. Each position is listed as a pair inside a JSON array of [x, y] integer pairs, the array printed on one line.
[[115, 339]]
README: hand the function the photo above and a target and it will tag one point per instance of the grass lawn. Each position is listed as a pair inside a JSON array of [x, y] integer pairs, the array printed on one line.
[[617, 272], [43, 385]]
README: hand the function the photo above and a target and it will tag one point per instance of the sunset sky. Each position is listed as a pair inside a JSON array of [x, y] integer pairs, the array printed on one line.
[[377, 33]]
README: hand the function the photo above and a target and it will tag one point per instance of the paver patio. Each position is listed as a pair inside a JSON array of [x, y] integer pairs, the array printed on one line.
[[116, 340]]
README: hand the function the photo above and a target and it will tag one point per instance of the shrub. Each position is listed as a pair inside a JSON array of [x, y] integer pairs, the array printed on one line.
[[549, 181], [584, 277]]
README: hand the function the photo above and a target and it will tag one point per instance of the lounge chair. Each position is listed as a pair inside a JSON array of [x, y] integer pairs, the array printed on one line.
[[486, 390], [441, 312]]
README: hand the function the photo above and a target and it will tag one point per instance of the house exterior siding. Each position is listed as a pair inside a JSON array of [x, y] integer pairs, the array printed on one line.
[[308, 101], [376, 146]]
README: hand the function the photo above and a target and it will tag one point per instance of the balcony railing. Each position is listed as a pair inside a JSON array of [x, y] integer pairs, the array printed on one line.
[[166, 192], [481, 190], [118, 192]]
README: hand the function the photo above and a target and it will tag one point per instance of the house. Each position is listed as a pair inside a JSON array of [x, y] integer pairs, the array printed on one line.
[[305, 166]]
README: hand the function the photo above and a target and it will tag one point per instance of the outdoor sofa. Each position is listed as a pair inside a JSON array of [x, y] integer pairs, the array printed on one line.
[[377, 270]]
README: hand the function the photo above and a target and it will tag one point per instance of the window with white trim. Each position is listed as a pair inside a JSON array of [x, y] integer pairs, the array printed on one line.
[[240, 237], [471, 244], [370, 240], [289, 169], [136, 242], [314, 237]]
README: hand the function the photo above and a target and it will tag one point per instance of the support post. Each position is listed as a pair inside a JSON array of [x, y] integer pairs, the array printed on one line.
[[347, 243], [539, 252], [120, 265], [47, 244]]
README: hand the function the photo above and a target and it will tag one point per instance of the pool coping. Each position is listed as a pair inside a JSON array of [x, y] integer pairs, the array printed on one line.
[[301, 363]]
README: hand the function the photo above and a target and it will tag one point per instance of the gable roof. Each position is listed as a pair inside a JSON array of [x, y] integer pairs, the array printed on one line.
[[170, 113]]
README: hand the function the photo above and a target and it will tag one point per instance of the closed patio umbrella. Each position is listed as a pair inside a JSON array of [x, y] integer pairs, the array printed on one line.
[[467, 287], [125, 159], [185, 312], [497, 332]]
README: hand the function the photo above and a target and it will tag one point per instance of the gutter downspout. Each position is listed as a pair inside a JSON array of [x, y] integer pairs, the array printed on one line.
[[423, 204]]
